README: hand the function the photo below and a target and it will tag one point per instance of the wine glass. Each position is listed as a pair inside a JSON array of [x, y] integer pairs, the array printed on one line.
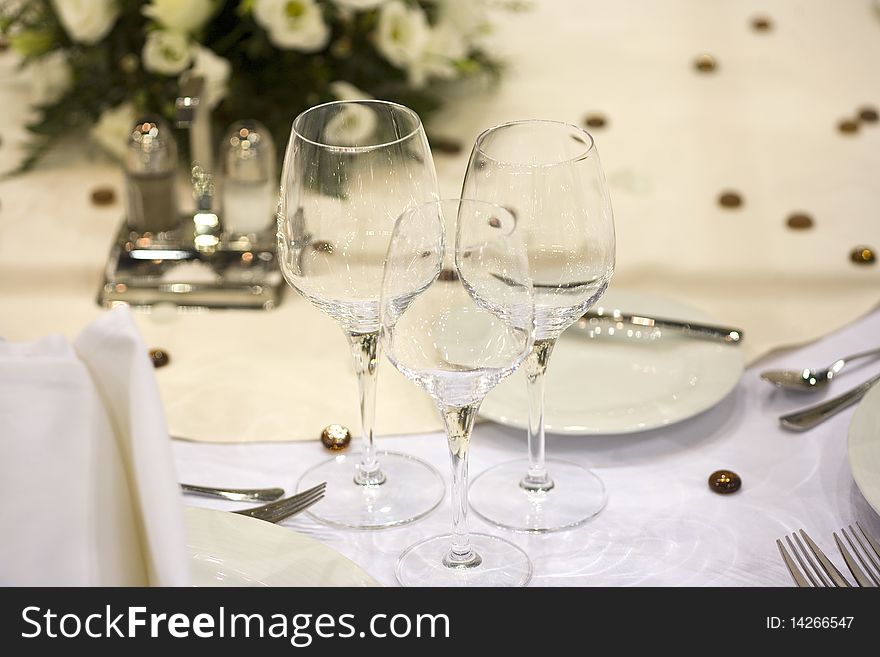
[[351, 168], [458, 317], [549, 176]]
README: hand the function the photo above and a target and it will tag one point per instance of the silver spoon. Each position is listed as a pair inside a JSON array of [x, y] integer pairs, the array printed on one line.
[[809, 379]]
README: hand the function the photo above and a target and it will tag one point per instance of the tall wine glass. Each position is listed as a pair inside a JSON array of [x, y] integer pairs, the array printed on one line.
[[549, 175], [350, 169], [457, 317]]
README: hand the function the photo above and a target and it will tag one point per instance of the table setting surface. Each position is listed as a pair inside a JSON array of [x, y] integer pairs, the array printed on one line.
[[247, 393]]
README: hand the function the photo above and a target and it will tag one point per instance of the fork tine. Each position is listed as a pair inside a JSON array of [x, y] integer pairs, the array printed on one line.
[[861, 579], [297, 508], [829, 568], [810, 570], [279, 514], [793, 570], [280, 509], [870, 539], [873, 570]]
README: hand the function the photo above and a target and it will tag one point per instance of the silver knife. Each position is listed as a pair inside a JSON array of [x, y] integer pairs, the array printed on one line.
[[812, 416], [235, 494], [726, 334]]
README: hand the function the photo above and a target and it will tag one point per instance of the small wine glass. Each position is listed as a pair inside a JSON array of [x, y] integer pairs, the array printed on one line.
[[350, 169], [457, 317], [549, 175]]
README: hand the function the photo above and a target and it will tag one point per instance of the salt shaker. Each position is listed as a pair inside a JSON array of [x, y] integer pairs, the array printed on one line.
[[151, 177], [248, 186]]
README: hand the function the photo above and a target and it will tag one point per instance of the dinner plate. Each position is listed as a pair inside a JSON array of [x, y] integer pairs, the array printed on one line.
[[626, 381], [228, 549], [863, 447]]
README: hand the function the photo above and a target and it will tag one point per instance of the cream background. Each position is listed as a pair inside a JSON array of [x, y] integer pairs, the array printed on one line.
[[763, 124]]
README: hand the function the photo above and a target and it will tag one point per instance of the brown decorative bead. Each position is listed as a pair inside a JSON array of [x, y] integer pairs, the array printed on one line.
[[848, 126], [495, 222], [159, 357], [103, 196], [730, 200], [335, 437], [705, 63], [445, 145], [724, 482], [868, 115], [595, 121], [863, 255], [762, 24], [799, 221], [322, 246]]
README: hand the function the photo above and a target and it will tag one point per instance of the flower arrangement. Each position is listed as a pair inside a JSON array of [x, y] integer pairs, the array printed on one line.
[[101, 63]]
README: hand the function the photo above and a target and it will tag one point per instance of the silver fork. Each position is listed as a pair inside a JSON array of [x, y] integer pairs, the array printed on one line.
[[867, 553], [280, 509], [822, 574]]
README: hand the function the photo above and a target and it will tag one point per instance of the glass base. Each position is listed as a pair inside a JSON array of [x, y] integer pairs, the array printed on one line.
[[411, 490], [499, 563], [576, 496]]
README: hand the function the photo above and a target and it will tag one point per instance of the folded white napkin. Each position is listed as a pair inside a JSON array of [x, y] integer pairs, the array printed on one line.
[[88, 489]]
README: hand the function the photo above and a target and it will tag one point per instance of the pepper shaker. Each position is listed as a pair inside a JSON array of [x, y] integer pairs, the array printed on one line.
[[151, 177]]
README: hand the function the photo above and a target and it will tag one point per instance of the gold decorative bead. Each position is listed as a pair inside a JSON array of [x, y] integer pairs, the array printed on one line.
[[762, 24], [445, 145], [103, 196], [848, 127], [595, 120], [799, 221], [730, 200], [725, 482], [705, 63], [159, 357], [863, 255], [335, 437], [868, 114]]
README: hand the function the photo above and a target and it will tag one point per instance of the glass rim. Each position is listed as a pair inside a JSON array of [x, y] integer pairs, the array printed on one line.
[[591, 143], [357, 149], [412, 210]]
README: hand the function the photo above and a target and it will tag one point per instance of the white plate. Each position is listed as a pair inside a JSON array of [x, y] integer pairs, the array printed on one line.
[[228, 549], [864, 447], [618, 384]]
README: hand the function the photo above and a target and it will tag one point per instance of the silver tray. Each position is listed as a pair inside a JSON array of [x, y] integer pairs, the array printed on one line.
[[144, 270]]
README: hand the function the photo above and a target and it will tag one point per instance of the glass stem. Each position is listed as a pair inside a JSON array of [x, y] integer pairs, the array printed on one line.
[[459, 420], [365, 349], [537, 479]]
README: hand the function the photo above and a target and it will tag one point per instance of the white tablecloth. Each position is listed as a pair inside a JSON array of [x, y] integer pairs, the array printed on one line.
[[662, 526]]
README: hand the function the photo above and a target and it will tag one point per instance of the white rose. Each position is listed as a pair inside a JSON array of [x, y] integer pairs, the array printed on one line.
[[86, 21], [402, 33], [445, 46], [166, 52], [467, 17], [181, 15], [359, 5], [355, 123], [343, 90], [51, 77], [293, 24], [214, 69], [112, 129]]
